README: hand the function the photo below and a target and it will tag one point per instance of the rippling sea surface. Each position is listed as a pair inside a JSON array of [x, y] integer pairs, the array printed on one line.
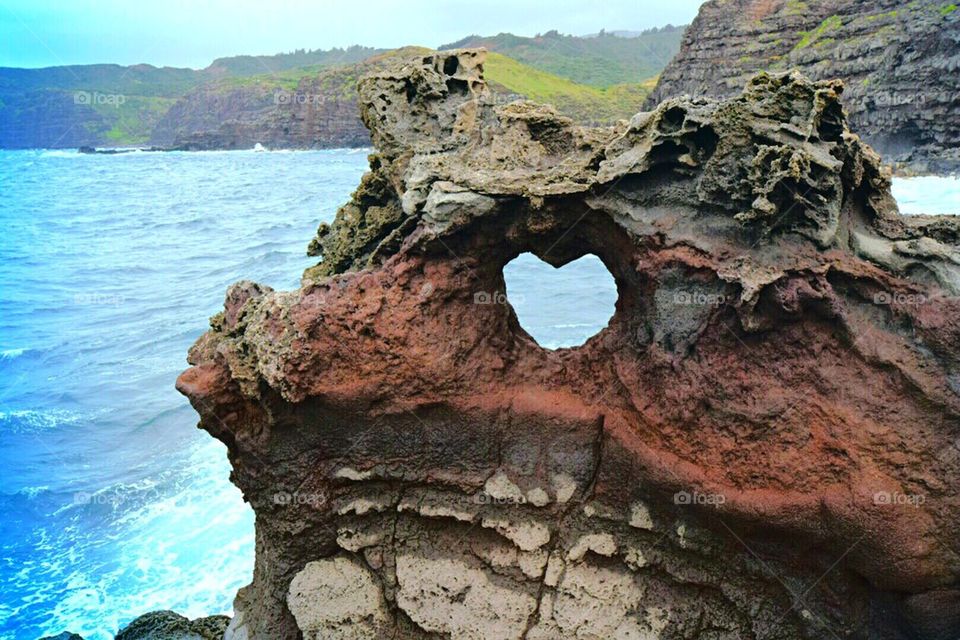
[[112, 503]]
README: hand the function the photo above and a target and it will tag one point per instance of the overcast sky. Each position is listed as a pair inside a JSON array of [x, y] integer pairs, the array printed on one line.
[[38, 33]]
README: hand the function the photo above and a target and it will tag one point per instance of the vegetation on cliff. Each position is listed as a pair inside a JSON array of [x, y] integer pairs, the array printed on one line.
[[584, 103], [591, 79], [601, 61]]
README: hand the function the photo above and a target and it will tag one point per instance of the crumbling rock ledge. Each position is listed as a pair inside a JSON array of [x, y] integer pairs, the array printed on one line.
[[761, 444]]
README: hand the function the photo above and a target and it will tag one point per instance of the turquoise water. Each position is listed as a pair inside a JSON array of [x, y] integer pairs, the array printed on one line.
[[928, 194], [112, 502]]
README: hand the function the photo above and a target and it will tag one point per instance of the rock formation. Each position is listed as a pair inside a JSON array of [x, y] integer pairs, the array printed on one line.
[[762, 443], [164, 625], [168, 625], [900, 62]]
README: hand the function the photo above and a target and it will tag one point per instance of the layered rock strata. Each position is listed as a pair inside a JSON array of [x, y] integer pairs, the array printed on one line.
[[900, 62], [762, 443]]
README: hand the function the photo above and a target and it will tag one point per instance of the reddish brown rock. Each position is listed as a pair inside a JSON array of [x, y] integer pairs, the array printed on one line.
[[761, 444]]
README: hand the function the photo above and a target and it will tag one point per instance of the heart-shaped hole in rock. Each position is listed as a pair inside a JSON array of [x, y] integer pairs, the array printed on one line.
[[560, 307]]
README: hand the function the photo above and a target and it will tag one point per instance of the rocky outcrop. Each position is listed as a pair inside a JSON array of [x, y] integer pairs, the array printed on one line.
[[900, 62], [167, 625], [762, 443], [164, 625]]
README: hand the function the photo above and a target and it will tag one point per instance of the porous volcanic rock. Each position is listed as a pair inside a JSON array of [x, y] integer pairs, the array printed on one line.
[[899, 59], [164, 625], [169, 625], [762, 443]]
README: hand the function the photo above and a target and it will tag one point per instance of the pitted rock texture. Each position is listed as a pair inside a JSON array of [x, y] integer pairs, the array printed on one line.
[[761, 444], [168, 625], [900, 61]]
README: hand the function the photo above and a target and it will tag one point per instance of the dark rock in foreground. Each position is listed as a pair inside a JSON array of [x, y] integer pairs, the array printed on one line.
[[66, 635], [900, 62], [165, 625], [762, 443]]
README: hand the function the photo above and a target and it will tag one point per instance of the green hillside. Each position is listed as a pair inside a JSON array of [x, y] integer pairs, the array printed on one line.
[[592, 79], [300, 59], [140, 79], [109, 104], [581, 102], [602, 61], [508, 77]]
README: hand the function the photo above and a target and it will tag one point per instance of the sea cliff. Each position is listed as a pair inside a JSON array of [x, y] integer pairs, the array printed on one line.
[[900, 63]]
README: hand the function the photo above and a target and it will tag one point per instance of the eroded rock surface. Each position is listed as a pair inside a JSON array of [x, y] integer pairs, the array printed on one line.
[[761, 444], [168, 625]]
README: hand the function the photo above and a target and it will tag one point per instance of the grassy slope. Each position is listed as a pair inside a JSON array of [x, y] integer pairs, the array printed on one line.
[[133, 120], [601, 61], [141, 80], [281, 62], [581, 102], [335, 80]]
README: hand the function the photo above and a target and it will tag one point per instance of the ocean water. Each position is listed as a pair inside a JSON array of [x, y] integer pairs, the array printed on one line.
[[112, 503], [928, 194]]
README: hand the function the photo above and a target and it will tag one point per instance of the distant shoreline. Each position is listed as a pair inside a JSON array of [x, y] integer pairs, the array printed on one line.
[[113, 151]]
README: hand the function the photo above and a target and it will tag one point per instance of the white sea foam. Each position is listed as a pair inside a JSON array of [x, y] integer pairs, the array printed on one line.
[[162, 554], [934, 195], [32, 420], [33, 492], [61, 153]]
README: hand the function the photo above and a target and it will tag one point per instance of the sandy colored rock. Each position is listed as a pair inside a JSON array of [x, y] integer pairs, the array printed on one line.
[[337, 596]]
